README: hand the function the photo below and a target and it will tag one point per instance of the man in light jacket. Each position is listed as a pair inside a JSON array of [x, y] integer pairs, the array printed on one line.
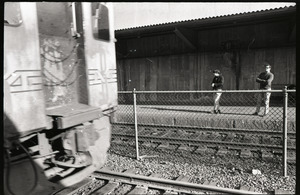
[[265, 81]]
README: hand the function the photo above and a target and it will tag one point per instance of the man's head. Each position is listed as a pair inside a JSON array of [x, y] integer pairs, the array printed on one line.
[[216, 72], [267, 67]]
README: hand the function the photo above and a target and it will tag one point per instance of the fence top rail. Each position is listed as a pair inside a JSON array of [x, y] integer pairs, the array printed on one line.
[[210, 91]]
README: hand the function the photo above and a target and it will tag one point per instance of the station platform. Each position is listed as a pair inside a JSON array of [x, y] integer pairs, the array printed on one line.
[[201, 116]]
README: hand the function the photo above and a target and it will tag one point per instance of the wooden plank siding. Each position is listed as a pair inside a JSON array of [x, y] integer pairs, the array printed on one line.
[[166, 62], [291, 65], [194, 71]]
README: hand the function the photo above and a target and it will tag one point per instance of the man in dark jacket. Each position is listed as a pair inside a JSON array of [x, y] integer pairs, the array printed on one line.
[[217, 84], [265, 80]]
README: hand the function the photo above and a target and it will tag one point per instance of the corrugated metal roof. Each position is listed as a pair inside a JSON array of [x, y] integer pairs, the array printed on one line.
[[213, 17]]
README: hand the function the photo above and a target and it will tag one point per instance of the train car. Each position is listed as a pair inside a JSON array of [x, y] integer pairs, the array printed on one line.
[[60, 90]]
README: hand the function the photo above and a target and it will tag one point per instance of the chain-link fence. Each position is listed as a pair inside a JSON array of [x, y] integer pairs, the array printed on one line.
[[185, 120]]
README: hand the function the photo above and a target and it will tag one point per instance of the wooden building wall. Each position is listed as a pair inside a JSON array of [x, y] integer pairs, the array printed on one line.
[[166, 62], [193, 71]]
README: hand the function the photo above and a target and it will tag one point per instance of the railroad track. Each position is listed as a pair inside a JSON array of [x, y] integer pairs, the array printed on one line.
[[128, 182], [265, 141]]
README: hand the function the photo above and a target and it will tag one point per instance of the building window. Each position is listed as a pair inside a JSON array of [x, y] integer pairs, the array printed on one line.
[[100, 21], [12, 14]]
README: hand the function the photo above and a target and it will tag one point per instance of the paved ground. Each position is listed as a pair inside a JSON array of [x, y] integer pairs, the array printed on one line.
[[200, 116]]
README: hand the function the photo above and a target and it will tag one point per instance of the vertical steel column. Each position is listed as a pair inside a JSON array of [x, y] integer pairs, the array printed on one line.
[[135, 125], [285, 105]]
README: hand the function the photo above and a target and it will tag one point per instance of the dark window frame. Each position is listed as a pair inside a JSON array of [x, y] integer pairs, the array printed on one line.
[[101, 30]]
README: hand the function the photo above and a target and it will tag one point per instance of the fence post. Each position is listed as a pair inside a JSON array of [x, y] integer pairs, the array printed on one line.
[[135, 124], [285, 105]]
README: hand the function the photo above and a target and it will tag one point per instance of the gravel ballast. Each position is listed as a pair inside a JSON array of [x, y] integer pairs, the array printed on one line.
[[227, 171]]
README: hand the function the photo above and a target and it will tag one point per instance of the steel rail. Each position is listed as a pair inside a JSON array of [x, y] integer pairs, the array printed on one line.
[[209, 91], [201, 142], [160, 183], [222, 129]]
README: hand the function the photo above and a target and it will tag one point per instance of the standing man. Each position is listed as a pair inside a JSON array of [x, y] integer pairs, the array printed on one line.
[[217, 84], [265, 80]]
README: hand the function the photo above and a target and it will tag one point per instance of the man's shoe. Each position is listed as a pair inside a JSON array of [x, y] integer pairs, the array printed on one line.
[[214, 112], [255, 113], [219, 111]]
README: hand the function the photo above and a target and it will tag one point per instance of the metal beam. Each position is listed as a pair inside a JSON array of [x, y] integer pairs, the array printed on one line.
[[292, 36], [188, 36]]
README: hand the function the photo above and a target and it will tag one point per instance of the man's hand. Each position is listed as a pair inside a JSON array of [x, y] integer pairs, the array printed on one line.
[[212, 84], [260, 80]]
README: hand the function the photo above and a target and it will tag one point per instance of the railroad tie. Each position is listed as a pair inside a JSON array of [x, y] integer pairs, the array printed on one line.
[[106, 169], [248, 139], [169, 192], [149, 144], [279, 191], [183, 178], [210, 183], [229, 137], [117, 140], [267, 155], [144, 131], [213, 135], [201, 149], [155, 175], [200, 136], [245, 153], [266, 139], [74, 188], [166, 134], [138, 190], [222, 151], [108, 188], [130, 171], [184, 147], [181, 133], [291, 142], [291, 156], [164, 146], [247, 188]]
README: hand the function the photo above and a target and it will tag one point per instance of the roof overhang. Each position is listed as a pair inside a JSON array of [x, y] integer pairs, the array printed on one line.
[[208, 23]]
